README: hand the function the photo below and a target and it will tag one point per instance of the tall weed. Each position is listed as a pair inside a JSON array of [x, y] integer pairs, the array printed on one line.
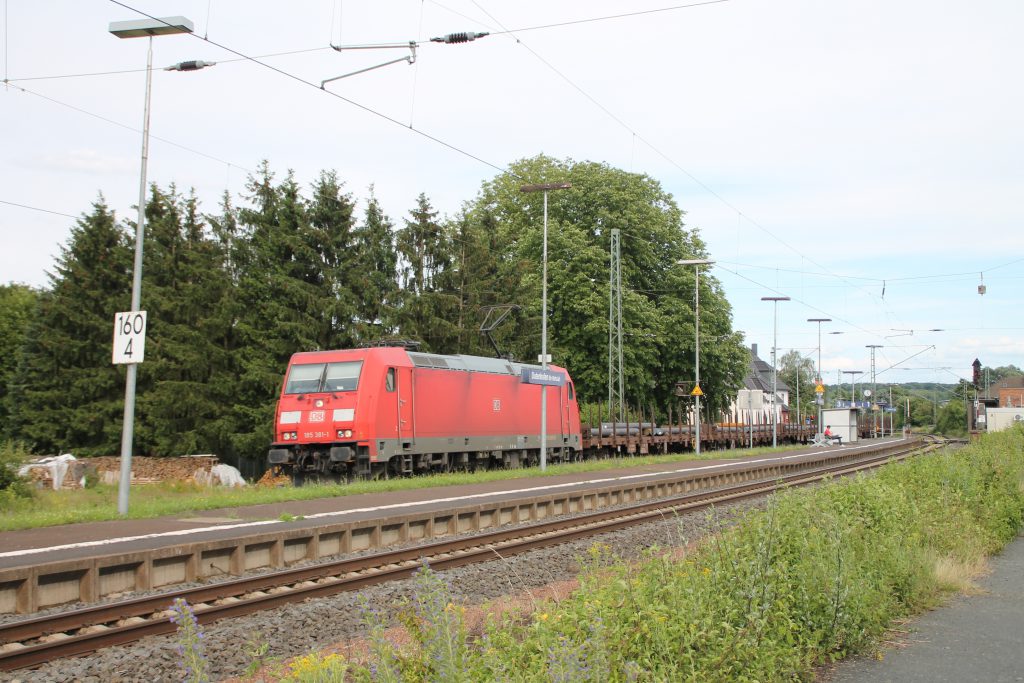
[[817, 575]]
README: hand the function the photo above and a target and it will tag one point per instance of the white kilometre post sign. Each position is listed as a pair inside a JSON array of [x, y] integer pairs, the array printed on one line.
[[129, 349], [129, 337]]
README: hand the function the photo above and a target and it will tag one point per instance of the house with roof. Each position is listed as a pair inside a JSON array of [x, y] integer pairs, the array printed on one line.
[[759, 378], [1010, 391]]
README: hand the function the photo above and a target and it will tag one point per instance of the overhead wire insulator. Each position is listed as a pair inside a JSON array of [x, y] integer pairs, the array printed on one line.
[[192, 65], [461, 37]]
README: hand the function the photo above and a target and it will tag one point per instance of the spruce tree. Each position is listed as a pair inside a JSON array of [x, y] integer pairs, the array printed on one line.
[[67, 394], [376, 285], [480, 285], [329, 237], [185, 285], [18, 307], [428, 302], [280, 290]]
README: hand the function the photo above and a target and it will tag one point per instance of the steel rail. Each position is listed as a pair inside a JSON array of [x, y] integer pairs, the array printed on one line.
[[89, 629]]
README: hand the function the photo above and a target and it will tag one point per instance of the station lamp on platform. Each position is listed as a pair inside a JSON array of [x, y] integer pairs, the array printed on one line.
[[775, 372], [143, 28]]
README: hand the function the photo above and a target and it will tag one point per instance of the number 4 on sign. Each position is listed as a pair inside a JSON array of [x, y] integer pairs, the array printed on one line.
[[129, 337]]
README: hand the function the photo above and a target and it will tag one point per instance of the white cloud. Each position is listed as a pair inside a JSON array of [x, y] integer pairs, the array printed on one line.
[[83, 160]]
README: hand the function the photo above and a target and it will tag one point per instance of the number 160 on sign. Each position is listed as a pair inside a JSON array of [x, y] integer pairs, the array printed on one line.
[[129, 337]]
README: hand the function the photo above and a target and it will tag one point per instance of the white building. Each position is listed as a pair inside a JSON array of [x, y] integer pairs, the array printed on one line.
[[759, 378]]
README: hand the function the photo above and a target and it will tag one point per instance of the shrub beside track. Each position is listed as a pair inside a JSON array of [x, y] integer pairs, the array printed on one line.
[[820, 574]]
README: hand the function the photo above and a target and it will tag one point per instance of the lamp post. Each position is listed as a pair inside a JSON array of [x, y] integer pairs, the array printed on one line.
[[545, 188], [696, 263], [853, 385], [142, 28], [820, 398], [775, 372]]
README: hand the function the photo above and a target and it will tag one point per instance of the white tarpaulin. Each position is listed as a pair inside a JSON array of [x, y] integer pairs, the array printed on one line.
[[57, 466], [220, 475]]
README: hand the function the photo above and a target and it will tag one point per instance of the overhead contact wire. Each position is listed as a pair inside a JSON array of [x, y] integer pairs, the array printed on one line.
[[316, 86]]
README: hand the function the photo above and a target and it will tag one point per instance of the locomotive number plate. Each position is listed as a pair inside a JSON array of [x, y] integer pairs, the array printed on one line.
[[316, 435]]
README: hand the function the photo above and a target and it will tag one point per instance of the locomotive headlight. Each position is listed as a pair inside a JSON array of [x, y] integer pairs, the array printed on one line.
[[348, 433], [319, 403], [344, 433], [341, 433], [286, 436]]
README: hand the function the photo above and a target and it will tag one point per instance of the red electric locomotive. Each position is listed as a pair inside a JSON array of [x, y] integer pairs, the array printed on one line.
[[389, 411]]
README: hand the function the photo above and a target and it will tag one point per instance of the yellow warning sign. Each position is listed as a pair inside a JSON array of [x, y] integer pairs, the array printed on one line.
[[819, 389], [696, 391]]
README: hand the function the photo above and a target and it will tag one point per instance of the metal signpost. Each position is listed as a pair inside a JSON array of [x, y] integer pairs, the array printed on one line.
[[125, 324], [544, 358]]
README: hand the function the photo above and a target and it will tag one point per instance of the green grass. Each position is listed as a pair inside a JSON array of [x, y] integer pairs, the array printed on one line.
[[818, 575], [51, 508]]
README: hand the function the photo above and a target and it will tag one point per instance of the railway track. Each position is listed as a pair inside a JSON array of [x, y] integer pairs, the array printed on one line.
[[32, 642]]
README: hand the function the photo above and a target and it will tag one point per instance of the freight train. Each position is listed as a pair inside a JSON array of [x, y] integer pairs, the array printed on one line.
[[390, 411]]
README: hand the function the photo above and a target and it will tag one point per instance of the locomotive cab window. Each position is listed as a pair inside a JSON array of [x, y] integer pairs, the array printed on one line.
[[304, 379], [311, 378], [389, 380], [342, 376]]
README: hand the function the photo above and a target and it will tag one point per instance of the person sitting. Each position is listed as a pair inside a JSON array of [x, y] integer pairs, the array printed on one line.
[[829, 436]]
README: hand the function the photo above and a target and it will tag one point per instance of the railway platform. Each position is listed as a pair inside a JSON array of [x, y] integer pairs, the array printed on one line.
[[974, 638]]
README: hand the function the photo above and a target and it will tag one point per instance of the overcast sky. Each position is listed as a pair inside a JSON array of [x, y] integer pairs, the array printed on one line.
[[863, 157]]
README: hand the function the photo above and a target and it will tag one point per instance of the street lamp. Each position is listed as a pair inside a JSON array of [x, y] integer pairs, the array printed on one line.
[[853, 384], [142, 28], [820, 399], [775, 372], [545, 188], [697, 263]]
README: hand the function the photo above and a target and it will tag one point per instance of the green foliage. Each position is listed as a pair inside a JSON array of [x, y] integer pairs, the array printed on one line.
[[658, 294], [13, 487], [375, 288], [952, 419], [185, 289], [295, 270], [314, 668], [796, 370], [66, 395], [18, 304], [429, 305], [818, 575], [993, 375]]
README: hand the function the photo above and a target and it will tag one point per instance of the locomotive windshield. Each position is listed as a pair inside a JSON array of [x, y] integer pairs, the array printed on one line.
[[311, 378]]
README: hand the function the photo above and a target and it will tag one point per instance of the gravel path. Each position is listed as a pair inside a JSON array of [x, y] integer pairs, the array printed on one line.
[[296, 629]]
